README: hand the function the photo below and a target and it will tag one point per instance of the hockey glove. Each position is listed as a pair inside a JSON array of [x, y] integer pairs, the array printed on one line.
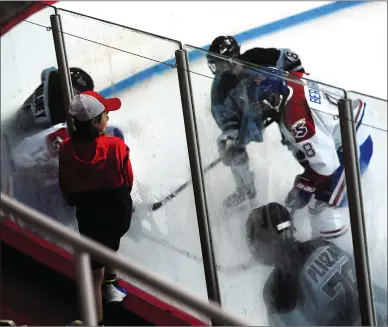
[[301, 193], [300, 156], [227, 142]]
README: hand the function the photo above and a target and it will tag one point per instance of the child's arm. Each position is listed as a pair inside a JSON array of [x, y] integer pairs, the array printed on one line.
[[127, 167], [62, 180]]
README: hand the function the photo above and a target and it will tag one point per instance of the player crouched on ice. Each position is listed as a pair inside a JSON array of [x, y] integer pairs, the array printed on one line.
[[313, 282], [95, 176], [228, 76], [307, 119], [45, 107]]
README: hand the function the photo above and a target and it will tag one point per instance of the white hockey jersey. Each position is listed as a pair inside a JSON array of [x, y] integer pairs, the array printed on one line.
[[310, 123], [40, 149], [38, 154], [34, 180]]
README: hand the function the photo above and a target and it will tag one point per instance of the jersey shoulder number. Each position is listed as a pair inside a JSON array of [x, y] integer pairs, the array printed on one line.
[[54, 140]]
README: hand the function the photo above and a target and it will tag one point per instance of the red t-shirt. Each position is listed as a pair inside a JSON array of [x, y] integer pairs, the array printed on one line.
[[101, 165]]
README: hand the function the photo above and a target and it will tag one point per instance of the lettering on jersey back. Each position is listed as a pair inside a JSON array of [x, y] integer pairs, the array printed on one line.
[[314, 92], [319, 267], [38, 106], [332, 272]]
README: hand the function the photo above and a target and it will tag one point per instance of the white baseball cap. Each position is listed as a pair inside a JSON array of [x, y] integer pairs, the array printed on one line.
[[89, 104]]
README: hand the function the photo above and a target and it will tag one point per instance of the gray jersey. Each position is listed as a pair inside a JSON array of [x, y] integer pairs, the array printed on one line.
[[329, 286], [321, 289]]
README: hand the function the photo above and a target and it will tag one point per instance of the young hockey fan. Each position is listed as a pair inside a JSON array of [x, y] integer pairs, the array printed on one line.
[[313, 282], [95, 176], [227, 77]]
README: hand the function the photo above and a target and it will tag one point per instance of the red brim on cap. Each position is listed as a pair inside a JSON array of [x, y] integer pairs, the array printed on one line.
[[112, 104]]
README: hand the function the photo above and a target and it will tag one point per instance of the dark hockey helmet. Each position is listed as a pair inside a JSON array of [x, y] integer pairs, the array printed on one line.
[[268, 92], [267, 87], [268, 228], [223, 45], [81, 80]]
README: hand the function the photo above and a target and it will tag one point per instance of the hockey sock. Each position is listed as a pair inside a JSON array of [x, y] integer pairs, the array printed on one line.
[[110, 279]]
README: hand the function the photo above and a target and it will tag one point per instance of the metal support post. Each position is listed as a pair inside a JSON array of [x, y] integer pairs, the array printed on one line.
[[353, 186], [66, 61], [197, 179], [63, 69], [87, 297]]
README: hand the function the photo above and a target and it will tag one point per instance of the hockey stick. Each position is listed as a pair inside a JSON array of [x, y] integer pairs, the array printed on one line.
[[157, 205]]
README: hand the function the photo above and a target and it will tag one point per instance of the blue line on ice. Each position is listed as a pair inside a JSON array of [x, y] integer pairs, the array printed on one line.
[[251, 34]]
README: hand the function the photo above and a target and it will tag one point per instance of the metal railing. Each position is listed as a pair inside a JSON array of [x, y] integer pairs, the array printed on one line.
[[85, 247]]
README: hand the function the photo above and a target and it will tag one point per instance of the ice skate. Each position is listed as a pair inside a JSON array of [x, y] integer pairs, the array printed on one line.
[[246, 189], [236, 198]]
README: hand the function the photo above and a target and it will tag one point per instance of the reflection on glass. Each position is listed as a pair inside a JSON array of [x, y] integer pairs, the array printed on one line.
[[26, 110], [374, 191], [139, 69], [296, 163]]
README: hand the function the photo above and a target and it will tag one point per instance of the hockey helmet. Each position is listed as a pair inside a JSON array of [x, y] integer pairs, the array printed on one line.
[[81, 80], [223, 45], [268, 228], [267, 89]]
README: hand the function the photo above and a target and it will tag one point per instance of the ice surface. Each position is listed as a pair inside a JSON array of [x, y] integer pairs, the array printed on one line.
[[167, 240]]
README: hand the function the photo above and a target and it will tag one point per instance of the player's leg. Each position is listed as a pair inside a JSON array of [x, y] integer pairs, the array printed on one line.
[[328, 208], [236, 157]]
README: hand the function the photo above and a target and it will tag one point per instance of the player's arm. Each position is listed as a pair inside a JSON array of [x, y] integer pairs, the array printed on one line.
[[219, 110], [62, 179], [320, 153], [226, 113], [280, 291]]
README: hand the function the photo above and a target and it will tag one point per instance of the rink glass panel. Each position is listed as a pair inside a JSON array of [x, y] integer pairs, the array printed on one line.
[[115, 55], [241, 277], [167, 240], [26, 50], [23, 59], [374, 192], [139, 69]]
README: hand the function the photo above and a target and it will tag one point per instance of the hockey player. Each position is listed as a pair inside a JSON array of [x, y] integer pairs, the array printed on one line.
[[227, 77], [313, 282], [309, 123], [45, 107]]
